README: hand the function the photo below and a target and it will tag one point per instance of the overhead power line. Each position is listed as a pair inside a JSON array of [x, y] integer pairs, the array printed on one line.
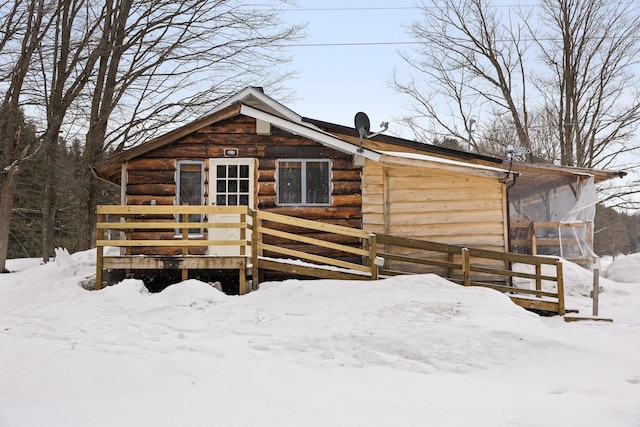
[[416, 42], [338, 9], [351, 44]]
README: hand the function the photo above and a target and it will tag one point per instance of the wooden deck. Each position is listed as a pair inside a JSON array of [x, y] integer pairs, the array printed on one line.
[[257, 241]]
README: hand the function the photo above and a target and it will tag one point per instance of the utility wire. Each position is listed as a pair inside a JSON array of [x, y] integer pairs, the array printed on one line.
[[418, 42]]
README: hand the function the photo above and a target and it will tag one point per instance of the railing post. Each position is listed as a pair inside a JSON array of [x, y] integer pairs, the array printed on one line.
[[254, 249], [243, 233], [373, 253], [450, 270], [596, 291], [560, 278], [185, 249], [99, 254], [466, 266], [538, 279]]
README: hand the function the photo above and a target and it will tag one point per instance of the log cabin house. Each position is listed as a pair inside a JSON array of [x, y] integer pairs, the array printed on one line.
[[253, 151]]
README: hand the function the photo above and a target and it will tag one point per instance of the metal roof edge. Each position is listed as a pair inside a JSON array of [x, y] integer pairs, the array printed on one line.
[[423, 160]]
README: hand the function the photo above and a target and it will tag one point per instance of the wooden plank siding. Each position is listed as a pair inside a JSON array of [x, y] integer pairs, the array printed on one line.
[[437, 206], [152, 175]]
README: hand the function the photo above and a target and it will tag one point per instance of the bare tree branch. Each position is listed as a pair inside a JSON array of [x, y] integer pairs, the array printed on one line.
[[470, 57]]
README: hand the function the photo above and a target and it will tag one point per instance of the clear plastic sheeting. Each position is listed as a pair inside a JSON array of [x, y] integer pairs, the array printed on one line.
[[576, 227], [554, 217]]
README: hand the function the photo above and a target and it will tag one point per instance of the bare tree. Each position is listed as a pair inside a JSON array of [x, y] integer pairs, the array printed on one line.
[[499, 134], [119, 72], [574, 69], [470, 56], [67, 57], [23, 25], [590, 48], [162, 63]]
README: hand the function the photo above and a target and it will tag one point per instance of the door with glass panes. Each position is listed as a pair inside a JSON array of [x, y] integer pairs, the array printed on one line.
[[230, 184]]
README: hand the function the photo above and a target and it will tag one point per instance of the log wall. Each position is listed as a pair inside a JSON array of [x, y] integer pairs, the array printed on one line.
[[152, 176]]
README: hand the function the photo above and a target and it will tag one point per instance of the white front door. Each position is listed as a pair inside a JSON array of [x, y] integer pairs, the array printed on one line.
[[231, 183]]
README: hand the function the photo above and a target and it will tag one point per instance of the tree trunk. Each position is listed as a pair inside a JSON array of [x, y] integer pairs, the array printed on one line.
[[86, 207], [49, 202], [83, 241], [8, 185]]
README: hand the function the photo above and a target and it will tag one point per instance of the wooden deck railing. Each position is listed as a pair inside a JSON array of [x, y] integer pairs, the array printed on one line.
[[150, 237]]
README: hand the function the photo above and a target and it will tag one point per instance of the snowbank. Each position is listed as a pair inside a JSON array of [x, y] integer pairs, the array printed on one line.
[[410, 350]]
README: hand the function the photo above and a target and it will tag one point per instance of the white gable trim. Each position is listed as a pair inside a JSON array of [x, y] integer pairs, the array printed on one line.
[[322, 137], [268, 101]]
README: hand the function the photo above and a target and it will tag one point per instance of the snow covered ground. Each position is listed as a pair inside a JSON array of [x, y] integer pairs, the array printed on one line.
[[406, 351]]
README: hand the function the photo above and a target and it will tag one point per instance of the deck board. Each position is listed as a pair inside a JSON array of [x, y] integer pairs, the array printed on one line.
[[189, 262]]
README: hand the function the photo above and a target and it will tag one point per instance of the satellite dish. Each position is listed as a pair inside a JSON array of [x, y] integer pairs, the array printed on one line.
[[362, 124], [511, 151]]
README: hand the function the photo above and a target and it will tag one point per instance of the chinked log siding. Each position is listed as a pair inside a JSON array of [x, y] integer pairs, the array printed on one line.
[[137, 177], [151, 177]]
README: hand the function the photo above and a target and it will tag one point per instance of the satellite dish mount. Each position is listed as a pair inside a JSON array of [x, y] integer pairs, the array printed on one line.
[[363, 126], [511, 151]]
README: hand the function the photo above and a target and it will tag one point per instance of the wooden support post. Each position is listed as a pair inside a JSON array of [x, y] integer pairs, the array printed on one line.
[[596, 290], [242, 275], [99, 255], [254, 249], [538, 279], [373, 254], [450, 270], [243, 233], [98, 268], [560, 278], [466, 267], [126, 235], [185, 249]]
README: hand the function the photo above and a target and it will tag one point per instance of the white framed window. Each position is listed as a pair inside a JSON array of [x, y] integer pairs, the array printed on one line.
[[303, 182], [190, 191]]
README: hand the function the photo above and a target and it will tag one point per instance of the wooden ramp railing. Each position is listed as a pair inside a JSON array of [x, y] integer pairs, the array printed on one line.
[[538, 290], [150, 237], [328, 251]]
